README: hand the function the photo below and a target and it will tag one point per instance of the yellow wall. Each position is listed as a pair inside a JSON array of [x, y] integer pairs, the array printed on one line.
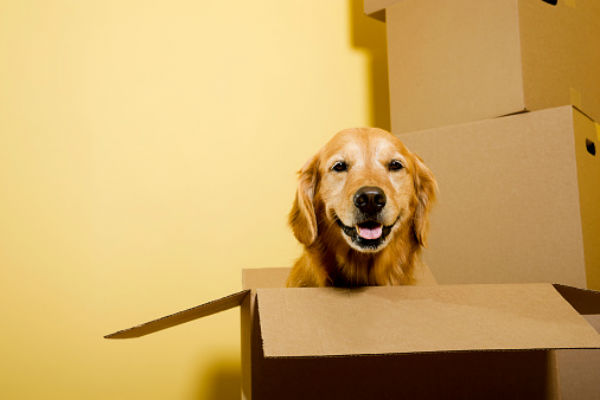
[[148, 152]]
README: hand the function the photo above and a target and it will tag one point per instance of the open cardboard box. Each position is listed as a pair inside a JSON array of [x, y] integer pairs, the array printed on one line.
[[454, 341], [466, 60], [520, 193]]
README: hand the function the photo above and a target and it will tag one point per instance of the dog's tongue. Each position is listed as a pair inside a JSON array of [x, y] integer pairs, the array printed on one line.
[[370, 233]]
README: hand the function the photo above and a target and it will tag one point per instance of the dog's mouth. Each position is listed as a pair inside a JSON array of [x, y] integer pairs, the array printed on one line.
[[367, 235], [370, 230]]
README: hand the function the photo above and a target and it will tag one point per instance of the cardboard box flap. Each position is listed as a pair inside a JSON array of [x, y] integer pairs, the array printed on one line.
[[254, 278], [309, 322], [181, 317], [585, 301]]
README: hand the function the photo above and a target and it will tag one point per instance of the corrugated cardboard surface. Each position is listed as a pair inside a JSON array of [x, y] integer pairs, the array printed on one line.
[[181, 317], [579, 370], [509, 202], [588, 178], [252, 359], [467, 60], [468, 375], [561, 54], [254, 278], [436, 318], [309, 322], [452, 61]]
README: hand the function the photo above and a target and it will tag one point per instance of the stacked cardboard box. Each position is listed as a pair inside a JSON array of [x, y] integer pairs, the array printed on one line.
[[466, 60], [501, 99]]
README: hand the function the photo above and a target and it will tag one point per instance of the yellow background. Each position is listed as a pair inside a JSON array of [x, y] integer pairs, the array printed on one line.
[[148, 152]]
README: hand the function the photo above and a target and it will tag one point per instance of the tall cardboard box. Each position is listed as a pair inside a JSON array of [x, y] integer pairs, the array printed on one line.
[[466, 60], [520, 193], [451, 342]]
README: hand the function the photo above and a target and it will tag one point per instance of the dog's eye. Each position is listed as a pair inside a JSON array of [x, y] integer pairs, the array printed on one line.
[[340, 166], [395, 165]]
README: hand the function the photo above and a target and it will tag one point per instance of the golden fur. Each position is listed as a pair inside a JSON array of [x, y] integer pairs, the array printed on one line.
[[324, 203]]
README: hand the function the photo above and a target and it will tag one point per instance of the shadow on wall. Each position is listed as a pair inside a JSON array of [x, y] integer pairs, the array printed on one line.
[[369, 35], [221, 380]]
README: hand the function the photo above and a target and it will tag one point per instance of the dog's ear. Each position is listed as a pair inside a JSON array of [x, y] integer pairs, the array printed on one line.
[[426, 190], [302, 218]]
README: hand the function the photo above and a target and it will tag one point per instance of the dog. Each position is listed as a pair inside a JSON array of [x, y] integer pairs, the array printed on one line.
[[361, 212]]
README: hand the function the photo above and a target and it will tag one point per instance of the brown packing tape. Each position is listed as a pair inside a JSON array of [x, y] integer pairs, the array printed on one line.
[[598, 131], [570, 3]]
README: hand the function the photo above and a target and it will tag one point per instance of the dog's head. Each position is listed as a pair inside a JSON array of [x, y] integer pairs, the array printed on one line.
[[363, 187]]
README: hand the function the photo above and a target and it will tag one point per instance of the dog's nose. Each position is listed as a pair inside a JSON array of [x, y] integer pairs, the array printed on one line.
[[369, 199]]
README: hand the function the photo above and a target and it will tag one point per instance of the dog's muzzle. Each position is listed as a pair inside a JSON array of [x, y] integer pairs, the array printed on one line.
[[369, 200], [368, 233]]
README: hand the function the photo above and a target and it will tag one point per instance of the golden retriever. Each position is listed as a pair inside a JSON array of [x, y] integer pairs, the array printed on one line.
[[361, 211]]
